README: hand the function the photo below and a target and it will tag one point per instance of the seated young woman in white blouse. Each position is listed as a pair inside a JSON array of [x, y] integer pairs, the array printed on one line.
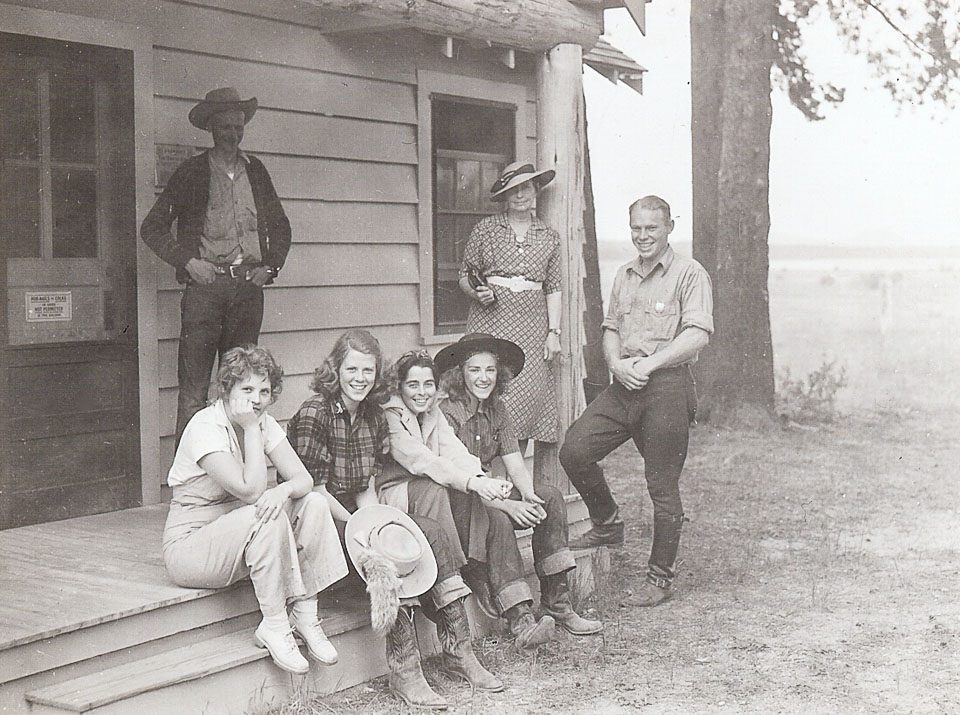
[[226, 522]]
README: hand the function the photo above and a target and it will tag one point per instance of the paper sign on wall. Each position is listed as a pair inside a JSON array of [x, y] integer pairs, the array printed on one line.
[[169, 157], [49, 306]]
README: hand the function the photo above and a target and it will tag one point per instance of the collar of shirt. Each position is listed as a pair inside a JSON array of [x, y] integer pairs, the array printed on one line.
[[339, 410], [410, 420], [665, 261], [217, 164], [537, 224], [473, 407]]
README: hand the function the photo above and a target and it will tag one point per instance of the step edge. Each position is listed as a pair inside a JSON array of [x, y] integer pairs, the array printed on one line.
[[248, 655]]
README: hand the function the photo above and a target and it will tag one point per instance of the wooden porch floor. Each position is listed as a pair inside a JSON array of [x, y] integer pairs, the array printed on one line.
[[67, 575]]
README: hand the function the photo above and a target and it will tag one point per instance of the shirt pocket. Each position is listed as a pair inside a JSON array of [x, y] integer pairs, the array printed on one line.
[[659, 318]]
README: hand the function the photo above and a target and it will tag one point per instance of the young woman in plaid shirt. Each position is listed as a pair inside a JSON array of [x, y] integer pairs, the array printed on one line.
[[342, 437]]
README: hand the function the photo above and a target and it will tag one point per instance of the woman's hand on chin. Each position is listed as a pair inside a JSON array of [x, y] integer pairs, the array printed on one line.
[[240, 410]]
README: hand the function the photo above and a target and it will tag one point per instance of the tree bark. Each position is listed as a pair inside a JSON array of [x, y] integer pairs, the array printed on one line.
[[732, 56]]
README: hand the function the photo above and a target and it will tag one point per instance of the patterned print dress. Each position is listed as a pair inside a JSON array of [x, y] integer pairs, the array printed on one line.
[[521, 316]]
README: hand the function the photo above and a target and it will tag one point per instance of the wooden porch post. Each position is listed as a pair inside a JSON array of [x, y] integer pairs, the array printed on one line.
[[560, 145]]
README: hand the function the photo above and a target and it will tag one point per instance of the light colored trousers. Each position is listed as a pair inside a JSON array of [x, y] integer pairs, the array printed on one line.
[[292, 557]]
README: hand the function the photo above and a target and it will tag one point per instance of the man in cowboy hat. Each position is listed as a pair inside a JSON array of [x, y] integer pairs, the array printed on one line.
[[232, 239], [659, 317]]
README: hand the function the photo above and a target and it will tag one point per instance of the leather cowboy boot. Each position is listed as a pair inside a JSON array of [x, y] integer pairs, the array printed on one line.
[[458, 658], [403, 658], [528, 630], [474, 574], [555, 602]]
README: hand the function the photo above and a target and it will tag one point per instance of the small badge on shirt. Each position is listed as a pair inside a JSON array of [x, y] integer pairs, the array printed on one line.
[[659, 306]]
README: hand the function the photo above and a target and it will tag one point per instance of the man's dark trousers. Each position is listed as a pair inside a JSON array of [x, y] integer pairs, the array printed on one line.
[[657, 417], [213, 319]]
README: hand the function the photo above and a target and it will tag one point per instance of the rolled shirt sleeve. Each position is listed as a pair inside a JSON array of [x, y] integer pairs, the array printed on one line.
[[695, 291]]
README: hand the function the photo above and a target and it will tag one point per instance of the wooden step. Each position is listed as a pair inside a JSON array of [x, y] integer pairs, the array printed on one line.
[[122, 687]]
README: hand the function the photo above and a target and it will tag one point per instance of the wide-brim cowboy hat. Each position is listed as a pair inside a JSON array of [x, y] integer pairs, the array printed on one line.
[[518, 173], [508, 353], [221, 100], [369, 519]]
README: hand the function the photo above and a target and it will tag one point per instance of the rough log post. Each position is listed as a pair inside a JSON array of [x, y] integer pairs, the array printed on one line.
[[560, 145]]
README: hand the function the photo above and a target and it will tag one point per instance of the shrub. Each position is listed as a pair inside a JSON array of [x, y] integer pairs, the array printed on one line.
[[810, 399]]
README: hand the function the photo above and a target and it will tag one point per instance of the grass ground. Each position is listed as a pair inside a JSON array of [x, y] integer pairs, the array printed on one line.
[[819, 571]]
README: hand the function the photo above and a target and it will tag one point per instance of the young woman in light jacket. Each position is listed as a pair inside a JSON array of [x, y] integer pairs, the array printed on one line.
[[424, 450]]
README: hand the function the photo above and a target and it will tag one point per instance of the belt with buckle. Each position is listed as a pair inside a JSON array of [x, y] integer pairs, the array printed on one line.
[[234, 270], [515, 283]]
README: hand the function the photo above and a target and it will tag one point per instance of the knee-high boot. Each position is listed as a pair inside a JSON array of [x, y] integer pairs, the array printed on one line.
[[403, 658], [458, 658]]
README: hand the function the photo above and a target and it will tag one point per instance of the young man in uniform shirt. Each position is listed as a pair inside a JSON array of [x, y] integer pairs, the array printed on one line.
[[659, 317]]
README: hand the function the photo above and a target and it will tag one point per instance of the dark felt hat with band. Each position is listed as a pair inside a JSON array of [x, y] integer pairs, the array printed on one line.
[[221, 100], [510, 354], [517, 173]]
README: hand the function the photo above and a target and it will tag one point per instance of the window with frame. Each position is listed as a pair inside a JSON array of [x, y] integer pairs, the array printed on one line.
[[66, 193], [472, 141], [50, 170]]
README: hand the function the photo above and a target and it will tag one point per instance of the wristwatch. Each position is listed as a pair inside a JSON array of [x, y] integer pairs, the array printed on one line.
[[555, 331]]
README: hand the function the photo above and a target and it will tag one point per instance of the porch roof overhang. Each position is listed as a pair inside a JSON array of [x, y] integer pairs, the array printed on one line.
[[615, 65], [522, 25]]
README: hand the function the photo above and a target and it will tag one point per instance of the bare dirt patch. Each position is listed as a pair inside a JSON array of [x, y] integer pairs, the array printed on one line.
[[819, 573]]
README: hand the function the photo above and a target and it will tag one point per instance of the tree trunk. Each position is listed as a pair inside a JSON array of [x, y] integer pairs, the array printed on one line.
[[732, 55]]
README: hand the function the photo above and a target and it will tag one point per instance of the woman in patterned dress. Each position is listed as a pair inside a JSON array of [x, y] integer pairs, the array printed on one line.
[[518, 257]]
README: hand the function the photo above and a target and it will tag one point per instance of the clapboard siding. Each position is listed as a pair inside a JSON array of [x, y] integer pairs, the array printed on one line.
[[338, 264], [352, 222], [314, 308], [188, 75], [301, 352], [337, 130], [340, 180], [298, 133]]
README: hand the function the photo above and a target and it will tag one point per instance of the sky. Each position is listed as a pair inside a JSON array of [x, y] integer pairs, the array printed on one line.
[[871, 173]]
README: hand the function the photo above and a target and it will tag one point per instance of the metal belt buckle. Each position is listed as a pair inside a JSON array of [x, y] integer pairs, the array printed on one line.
[[237, 270]]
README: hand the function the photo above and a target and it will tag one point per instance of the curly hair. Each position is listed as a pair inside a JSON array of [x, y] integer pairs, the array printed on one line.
[[241, 362], [326, 378], [453, 384], [405, 363]]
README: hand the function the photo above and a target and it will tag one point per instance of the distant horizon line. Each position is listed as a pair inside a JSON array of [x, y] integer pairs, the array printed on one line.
[[803, 250]]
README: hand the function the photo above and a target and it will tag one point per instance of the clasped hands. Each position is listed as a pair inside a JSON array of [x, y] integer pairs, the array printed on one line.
[[633, 372], [527, 511]]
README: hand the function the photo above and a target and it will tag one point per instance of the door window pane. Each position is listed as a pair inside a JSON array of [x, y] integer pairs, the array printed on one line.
[[20, 211], [19, 115], [72, 117], [74, 213]]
